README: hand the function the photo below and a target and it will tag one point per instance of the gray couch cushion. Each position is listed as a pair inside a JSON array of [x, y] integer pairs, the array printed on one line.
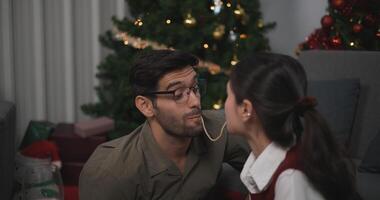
[[371, 160], [337, 101], [368, 185]]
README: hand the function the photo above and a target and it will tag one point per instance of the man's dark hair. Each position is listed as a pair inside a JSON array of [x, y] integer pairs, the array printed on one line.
[[151, 66]]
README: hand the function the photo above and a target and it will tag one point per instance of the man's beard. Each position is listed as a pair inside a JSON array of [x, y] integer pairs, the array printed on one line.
[[177, 126]]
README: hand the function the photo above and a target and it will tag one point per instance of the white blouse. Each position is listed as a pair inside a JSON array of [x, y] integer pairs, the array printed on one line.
[[292, 184]]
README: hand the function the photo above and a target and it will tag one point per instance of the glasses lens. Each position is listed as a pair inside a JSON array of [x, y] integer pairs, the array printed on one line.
[[181, 95], [196, 90]]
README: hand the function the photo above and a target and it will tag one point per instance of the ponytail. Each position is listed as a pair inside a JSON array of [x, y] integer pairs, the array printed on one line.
[[324, 162]]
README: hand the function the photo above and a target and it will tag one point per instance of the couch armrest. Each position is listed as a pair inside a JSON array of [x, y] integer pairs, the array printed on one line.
[[7, 148]]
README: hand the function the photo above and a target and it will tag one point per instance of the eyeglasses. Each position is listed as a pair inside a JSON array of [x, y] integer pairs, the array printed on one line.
[[180, 95]]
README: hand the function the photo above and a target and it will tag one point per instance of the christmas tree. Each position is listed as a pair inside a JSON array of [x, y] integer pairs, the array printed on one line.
[[349, 25], [218, 32]]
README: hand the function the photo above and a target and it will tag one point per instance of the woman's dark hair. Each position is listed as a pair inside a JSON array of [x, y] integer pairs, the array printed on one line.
[[276, 85], [151, 66]]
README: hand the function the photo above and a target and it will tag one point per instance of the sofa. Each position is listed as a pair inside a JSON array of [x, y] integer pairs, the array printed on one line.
[[7, 148], [347, 88]]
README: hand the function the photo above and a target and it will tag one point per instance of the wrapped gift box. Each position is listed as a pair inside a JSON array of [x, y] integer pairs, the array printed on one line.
[[73, 148], [94, 127]]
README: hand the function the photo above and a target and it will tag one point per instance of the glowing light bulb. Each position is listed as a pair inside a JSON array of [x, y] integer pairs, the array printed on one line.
[[217, 106]]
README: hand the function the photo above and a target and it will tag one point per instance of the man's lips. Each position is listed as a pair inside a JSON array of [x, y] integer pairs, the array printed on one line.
[[194, 116]]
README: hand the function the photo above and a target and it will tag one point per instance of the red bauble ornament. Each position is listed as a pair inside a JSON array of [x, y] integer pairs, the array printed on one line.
[[336, 41], [357, 28], [347, 10], [327, 21], [325, 42], [312, 44], [338, 4]]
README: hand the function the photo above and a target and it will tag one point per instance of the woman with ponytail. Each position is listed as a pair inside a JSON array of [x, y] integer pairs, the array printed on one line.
[[294, 154]]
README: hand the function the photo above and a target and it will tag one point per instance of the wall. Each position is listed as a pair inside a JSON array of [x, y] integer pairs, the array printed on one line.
[[295, 19]]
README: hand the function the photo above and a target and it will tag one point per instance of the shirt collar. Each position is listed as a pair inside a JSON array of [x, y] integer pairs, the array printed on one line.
[[257, 172], [156, 160]]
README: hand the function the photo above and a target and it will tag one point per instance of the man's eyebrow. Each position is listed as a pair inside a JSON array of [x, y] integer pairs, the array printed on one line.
[[172, 84]]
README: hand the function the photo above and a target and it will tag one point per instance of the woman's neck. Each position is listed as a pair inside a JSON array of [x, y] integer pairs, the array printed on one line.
[[258, 140]]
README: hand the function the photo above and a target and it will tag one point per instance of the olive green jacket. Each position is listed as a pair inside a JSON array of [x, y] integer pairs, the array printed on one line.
[[134, 167]]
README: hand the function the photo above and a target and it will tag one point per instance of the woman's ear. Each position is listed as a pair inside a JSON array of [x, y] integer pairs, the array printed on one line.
[[145, 106], [247, 110]]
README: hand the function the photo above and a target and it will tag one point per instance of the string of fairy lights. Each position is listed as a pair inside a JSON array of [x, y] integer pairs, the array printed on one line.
[[138, 43]]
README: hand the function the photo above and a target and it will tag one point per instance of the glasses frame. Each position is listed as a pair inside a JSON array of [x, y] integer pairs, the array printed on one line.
[[196, 89]]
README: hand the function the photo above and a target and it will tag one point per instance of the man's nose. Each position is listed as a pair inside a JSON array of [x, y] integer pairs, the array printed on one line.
[[194, 100]]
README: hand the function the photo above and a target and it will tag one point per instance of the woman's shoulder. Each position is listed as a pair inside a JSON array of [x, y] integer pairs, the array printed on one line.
[[293, 184]]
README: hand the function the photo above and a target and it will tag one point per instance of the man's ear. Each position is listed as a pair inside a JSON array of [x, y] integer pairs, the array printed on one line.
[[246, 110], [145, 106]]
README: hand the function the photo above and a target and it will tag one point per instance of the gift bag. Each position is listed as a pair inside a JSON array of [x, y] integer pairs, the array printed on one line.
[[37, 179], [37, 130]]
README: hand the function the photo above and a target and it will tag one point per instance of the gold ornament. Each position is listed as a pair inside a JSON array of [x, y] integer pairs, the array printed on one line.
[[205, 45], [190, 21], [219, 32], [243, 36], [214, 69], [138, 22], [260, 23], [218, 105], [234, 60], [211, 67], [239, 11]]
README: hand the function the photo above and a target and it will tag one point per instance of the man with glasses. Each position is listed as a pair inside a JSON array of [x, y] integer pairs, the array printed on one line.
[[169, 156]]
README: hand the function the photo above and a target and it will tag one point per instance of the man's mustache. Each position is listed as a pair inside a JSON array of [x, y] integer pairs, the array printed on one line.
[[195, 111]]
